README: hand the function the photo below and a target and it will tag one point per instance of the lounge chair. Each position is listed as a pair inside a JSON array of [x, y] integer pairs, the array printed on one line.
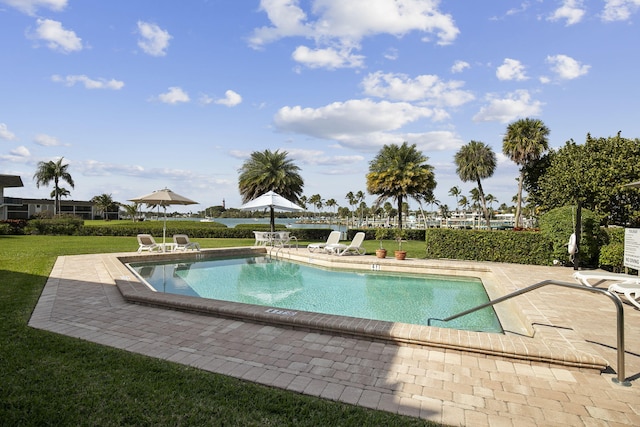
[[181, 242], [148, 243], [355, 247], [585, 277], [333, 239], [631, 290]]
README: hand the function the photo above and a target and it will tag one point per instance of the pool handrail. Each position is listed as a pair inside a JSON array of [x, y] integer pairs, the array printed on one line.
[[621, 379]]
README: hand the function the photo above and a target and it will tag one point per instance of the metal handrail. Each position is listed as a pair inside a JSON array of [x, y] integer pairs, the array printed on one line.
[[619, 315]]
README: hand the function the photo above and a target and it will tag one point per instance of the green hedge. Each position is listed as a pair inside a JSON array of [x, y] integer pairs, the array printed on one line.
[[558, 224], [519, 247], [62, 225], [611, 256]]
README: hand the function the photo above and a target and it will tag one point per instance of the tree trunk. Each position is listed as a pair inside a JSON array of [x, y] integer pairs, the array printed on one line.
[[485, 211], [400, 212], [519, 202]]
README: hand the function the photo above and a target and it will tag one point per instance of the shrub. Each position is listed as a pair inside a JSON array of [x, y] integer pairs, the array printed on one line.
[[61, 225], [13, 226], [523, 247], [612, 257], [557, 225]]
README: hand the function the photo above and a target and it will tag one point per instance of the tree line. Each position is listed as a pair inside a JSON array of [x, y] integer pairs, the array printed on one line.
[[593, 174]]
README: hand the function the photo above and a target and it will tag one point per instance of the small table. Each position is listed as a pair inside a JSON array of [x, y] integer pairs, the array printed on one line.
[[167, 247]]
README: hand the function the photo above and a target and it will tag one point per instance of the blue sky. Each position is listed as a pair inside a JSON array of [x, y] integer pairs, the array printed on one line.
[[146, 94]]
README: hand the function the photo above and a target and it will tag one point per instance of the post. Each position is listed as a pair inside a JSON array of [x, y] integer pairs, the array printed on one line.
[[577, 231]]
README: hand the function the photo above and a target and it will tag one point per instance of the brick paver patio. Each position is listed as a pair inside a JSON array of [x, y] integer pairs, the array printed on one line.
[[440, 384]]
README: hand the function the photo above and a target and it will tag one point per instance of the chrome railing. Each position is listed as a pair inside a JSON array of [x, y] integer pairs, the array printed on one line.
[[621, 379]]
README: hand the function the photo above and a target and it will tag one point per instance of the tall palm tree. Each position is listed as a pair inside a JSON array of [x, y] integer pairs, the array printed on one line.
[[474, 162], [331, 203], [53, 171], [399, 172], [353, 201], [267, 171], [455, 192], [524, 143]]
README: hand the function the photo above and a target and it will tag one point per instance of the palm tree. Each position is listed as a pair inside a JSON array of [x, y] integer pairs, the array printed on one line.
[[104, 202], [399, 172], [359, 198], [316, 202], [455, 192], [270, 171], [353, 200], [331, 203], [53, 171], [464, 203], [474, 162], [524, 143], [131, 210]]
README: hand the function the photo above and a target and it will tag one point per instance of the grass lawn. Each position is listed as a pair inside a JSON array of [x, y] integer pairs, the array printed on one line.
[[50, 379]]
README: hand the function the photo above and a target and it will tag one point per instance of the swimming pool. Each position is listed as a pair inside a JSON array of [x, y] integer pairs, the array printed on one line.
[[291, 286]]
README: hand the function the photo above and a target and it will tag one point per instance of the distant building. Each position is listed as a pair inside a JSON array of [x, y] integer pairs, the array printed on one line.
[[20, 208]]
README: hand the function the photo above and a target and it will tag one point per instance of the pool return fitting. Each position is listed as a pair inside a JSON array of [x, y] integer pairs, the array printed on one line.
[[621, 379]]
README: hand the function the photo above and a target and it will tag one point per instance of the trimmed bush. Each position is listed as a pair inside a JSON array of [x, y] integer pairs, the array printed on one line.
[[13, 226], [522, 247], [557, 225], [62, 225], [611, 256]]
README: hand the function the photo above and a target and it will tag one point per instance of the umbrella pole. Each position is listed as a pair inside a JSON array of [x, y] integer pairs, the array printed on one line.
[[273, 220], [164, 228]]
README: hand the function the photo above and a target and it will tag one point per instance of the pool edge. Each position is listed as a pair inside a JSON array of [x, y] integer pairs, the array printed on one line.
[[530, 347]]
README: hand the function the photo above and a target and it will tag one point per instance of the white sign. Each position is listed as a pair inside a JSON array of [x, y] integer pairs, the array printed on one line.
[[632, 248]]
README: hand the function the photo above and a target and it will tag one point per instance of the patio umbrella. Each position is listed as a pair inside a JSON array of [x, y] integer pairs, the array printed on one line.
[[633, 184], [273, 201], [163, 198]]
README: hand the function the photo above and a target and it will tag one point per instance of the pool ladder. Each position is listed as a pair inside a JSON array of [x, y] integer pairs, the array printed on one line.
[[621, 379]]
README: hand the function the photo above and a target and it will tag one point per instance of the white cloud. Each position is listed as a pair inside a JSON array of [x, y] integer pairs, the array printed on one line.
[[31, 6], [154, 40], [459, 66], [619, 10], [567, 68], [363, 125], [511, 69], [327, 58], [88, 83], [345, 118], [341, 25], [514, 105], [175, 95], [319, 157], [6, 134], [57, 37], [425, 88], [231, 99], [571, 10], [46, 140], [20, 151]]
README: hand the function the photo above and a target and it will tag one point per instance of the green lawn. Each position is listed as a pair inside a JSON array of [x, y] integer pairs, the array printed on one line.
[[50, 379]]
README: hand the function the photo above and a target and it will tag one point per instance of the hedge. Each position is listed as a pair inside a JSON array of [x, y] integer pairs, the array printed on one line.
[[518, 247]]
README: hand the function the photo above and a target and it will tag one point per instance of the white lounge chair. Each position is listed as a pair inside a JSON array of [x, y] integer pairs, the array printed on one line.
[[597, 277], [148, 243], [181, 242], [631, 290], [333, 239], [354, 247]]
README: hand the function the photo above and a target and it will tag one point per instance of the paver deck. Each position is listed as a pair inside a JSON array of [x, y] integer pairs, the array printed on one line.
[[442, 382]]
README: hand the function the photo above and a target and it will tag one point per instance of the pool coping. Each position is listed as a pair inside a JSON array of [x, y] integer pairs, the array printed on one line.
[[525, 338]]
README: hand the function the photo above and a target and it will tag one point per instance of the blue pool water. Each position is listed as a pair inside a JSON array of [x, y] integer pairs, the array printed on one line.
[[374, 295]]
